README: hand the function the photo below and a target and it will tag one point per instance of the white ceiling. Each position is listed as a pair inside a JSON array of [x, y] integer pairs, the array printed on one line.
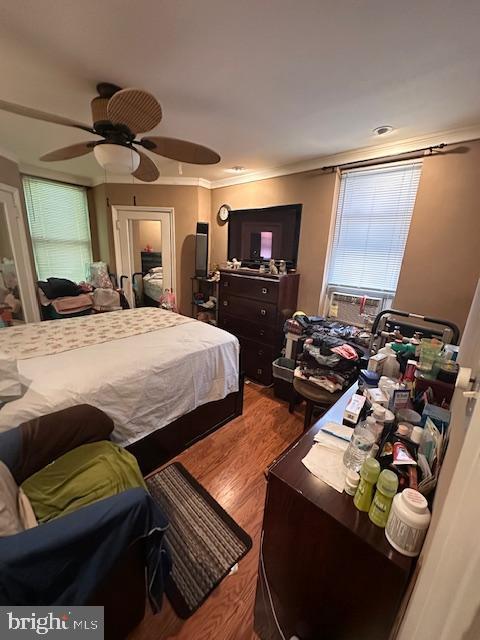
[[264, 82]]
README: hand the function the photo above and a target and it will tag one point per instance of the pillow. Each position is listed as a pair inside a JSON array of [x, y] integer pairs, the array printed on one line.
[[99, 277], [10, 385], [16, 513]]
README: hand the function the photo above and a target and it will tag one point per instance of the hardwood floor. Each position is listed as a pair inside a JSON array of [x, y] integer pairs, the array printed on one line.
[[230, 464]]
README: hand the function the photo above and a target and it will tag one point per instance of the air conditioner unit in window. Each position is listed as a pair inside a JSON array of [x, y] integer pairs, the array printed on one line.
[[347, 306]]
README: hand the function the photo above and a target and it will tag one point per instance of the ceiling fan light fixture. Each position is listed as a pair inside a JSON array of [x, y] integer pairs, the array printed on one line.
[[116, 158]]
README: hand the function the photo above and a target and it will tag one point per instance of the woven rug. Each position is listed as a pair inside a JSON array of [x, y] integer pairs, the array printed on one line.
[[204, 541]]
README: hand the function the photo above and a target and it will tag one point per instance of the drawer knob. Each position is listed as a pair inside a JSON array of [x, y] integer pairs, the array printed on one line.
[[259, 372], [225, 303], [264, 290], [262, 332], [263, 312], [260, 352]]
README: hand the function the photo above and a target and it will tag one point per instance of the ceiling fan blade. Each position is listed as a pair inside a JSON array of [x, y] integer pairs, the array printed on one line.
[[138, 109], [42, 115], [147, 170], [180, 150], [72, 151]]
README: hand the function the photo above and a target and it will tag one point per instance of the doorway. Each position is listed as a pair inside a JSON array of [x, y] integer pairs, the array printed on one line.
[[18, 300], [144, 240]]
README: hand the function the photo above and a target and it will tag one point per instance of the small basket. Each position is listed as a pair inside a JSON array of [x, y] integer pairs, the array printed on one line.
[[283, 368]]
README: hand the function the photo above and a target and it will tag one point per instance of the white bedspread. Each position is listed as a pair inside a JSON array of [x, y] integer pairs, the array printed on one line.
[[142, 382]]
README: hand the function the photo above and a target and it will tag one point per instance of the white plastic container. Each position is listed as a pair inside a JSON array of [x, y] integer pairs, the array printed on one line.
[[391, 366], [408, 522], [351, 482]]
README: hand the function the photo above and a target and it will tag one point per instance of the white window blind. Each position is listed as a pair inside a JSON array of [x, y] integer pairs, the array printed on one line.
[[373, 218], [59, 228]]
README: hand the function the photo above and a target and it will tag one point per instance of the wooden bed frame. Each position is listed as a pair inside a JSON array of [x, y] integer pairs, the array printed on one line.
[[163, 444]]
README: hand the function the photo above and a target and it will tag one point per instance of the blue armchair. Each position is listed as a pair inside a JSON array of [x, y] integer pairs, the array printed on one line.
[[95, 555]]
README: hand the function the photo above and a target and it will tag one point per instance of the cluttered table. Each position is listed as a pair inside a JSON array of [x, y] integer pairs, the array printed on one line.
[[290, 470], [330, 572]]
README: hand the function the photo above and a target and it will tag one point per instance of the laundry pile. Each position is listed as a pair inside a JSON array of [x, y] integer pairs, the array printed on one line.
[[62, 298], [328, 361]]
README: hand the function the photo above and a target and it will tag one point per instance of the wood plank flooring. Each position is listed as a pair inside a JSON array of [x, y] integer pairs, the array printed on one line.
[[230, 464]]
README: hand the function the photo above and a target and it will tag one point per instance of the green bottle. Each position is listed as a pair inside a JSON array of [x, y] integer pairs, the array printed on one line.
[[387, 486], [368, 476]]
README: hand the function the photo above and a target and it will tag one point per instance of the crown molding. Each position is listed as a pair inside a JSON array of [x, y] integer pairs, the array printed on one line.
[[6, 153], [51, 174], [451, 136], [162, 180]]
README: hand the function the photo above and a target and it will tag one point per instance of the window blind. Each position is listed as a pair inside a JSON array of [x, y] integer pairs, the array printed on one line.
[[59, 228], [373, 218]]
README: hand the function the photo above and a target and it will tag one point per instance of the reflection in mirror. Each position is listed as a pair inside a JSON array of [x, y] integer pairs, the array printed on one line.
[[11, 311], [146, 247]]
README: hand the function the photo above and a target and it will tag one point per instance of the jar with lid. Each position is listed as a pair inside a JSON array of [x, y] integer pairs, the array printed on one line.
[[408, 522]]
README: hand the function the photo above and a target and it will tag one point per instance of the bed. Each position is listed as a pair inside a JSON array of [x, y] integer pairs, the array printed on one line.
[[153, 284], [164, 379]]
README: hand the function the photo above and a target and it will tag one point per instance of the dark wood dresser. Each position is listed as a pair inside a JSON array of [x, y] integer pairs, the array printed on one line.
[[254, 308], [329, 572]]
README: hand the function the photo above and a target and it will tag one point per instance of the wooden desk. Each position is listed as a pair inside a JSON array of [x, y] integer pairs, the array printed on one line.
[[331, 573]]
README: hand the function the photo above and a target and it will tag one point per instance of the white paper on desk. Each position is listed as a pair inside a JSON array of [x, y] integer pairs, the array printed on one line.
[[338, 430], [326, 463]]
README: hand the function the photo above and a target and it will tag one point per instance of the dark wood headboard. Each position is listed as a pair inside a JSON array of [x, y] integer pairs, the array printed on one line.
[[150, 259]]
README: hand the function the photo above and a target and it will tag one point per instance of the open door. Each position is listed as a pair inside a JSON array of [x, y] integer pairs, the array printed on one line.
[[445, 600]]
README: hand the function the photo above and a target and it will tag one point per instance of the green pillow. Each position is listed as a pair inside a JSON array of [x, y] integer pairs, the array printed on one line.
[[84, 475]]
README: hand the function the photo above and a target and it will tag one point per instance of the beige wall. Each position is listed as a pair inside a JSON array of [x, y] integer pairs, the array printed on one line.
[[190, 204], [441, 265], [316, 192]]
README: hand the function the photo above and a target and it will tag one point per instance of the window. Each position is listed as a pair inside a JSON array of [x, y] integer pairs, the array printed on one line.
[[59, 228], [373, 217]]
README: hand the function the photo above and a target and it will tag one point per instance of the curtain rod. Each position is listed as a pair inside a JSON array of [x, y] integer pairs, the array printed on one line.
[[396, 157]]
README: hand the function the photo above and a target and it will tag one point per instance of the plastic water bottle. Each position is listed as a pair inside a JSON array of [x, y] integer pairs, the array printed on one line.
[[360, 445]]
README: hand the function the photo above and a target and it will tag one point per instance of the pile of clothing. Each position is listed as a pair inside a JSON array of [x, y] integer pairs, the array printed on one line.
[[329, 361], [62, 298]]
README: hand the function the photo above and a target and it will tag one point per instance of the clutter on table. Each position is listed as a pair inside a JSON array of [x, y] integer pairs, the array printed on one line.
[[396, 427]]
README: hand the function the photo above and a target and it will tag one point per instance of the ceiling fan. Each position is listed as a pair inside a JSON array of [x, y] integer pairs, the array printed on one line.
[[118, 116]]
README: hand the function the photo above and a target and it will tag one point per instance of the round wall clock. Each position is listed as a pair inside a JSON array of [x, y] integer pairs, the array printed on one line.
[[224, 212]]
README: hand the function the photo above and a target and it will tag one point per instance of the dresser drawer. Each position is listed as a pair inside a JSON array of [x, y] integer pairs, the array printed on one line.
[[243, 328], [253, 287], [256, 360], [263, 313]]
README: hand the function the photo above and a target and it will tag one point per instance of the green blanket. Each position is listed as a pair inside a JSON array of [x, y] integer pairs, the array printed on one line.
[[82, 476]]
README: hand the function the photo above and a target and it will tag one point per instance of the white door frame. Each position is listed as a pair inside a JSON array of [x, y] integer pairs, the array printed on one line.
[[142, 213], [10, 200]]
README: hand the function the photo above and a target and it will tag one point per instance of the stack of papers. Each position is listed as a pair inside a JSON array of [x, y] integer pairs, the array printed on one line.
[[325, 458]]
